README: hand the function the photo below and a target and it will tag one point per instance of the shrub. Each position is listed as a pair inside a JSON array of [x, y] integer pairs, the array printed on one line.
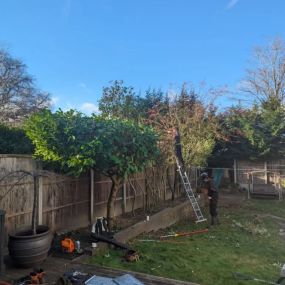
[[14, 141]]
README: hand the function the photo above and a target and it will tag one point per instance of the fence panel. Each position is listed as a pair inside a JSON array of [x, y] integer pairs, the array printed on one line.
[[66, 200]]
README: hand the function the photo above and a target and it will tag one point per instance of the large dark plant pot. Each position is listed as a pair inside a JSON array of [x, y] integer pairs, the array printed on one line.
[[28, 250]]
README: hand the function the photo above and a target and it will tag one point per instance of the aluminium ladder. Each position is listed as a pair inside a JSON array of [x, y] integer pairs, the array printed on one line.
[[190, 194]]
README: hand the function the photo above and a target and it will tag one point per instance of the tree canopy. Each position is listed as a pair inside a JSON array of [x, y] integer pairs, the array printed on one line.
[[257, 132], [117, 148], [119, 101], [19, 95], [195, 122], [66, 138]]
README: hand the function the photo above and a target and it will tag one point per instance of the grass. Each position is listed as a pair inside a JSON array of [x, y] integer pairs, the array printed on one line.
[[247, 241]]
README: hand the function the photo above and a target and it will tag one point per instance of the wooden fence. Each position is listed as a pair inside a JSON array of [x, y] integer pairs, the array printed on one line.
[[69, 202]]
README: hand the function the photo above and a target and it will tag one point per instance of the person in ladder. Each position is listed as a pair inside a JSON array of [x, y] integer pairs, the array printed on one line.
[[178, 147], [213, 196]]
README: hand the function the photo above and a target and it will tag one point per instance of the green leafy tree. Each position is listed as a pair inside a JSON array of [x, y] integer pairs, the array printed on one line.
[[254, 133], [198, 127], [257, 132], [265, 130], [119, 101], [233, 142], [126, 148], [65, 138], [153, 99], [77, 143]]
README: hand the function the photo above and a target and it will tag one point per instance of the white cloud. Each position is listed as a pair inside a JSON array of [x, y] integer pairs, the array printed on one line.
[[54, 100], [232, 3], [89, 108], [68, 107]]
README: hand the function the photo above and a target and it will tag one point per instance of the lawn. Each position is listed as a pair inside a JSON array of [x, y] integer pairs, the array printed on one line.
[[246, 241]]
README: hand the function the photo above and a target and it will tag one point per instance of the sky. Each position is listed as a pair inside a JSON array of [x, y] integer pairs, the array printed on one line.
[[75, 47]]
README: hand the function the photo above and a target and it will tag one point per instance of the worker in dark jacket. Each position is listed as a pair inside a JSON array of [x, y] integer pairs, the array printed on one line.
[[178, 148], [213, 196]]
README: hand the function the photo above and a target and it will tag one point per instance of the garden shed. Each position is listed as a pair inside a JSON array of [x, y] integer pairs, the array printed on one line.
[[261, 178]]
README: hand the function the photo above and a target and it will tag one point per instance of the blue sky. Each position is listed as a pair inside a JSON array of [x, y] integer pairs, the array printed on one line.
[[75, 47]]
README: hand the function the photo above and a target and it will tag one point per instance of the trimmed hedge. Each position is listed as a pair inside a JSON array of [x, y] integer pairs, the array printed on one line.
[[14, 141]]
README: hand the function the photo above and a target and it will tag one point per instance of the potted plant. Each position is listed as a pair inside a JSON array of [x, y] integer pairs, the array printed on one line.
[[29, 246]]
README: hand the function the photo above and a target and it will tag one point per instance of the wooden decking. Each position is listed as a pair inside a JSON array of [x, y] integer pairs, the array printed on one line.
[[55, 267]]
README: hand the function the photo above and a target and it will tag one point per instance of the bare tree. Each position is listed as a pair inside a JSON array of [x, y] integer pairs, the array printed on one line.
[[193, 115], [18, 94], [266, 80]]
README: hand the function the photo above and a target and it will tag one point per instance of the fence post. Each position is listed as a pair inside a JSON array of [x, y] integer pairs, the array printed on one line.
[[91, 196], [235, 171], [40, 202], [124, 200], [2, 238], [265, 172]]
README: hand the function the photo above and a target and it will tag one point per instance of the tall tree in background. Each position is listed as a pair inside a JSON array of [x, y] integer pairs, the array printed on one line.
[[119, 101], [257, 132], [250, 133], [233, 142], [154, 98], [19, 96], [265, 80], [122, 102], [196, 122], [265, 130], [194, 115]]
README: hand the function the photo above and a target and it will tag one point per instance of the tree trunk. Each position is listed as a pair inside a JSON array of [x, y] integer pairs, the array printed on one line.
[[116, 183], [35, 204], [172, 187], [147, 194], [176, 182]]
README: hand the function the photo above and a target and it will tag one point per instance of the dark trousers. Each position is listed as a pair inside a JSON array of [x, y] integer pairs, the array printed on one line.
[[214, 204], [178, 152]]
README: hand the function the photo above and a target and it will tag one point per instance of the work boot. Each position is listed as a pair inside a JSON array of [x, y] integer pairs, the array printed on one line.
[[218, 220], [215, 221]]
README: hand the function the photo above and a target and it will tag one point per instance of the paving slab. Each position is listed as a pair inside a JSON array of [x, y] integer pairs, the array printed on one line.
[[56, 267]]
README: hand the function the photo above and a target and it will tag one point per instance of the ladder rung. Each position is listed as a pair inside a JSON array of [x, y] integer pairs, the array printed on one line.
[[200, 221], [188, 189]]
